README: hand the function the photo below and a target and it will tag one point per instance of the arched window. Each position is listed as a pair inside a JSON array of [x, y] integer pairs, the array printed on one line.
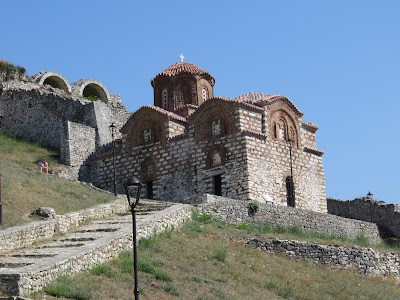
[[290, 197], [281, 134], [217, 159], [216, 128], [204, 94], [147, 136], [165, 99]]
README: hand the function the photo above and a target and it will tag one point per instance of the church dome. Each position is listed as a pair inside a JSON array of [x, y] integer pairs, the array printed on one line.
[[183, 67]]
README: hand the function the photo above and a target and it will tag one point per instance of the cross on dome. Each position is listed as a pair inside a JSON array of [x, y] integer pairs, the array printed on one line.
[[182, 57]]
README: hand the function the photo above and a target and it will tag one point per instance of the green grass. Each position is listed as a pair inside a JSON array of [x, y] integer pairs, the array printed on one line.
[[24, 188], [207, 259]]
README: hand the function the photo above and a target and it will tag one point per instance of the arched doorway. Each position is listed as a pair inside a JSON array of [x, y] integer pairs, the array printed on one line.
[[290, 197]]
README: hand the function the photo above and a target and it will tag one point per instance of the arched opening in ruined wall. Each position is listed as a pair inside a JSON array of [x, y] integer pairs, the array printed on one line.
[[94, 92], [56, 82]]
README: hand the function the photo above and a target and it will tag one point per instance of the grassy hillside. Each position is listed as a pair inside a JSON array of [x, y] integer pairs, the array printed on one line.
[[24, 188], [207, 260], [203, 260]]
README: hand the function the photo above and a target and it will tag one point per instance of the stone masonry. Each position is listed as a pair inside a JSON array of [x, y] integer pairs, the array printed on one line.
[[364, 261], [85, 243], [47, 109], [237, 212], [385, 216], [191, 143]]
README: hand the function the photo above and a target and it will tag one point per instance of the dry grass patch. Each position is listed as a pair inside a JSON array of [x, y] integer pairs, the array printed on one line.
[[206, 259], [24, 188]]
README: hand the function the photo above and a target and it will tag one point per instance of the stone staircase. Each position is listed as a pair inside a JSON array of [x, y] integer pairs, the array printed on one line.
[[31, 268]]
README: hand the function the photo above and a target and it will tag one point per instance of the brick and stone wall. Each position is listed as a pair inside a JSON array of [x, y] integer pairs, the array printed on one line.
[[364, 261], [237, 212], [179, 168], [269, 165], [386, 216]]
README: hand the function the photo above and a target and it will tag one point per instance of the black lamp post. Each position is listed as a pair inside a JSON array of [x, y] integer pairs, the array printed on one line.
[[112, 128], [132, 185], [291, 192], [1, 204]]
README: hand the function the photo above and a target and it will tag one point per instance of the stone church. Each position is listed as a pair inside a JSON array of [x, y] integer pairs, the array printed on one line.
[[254, 147]]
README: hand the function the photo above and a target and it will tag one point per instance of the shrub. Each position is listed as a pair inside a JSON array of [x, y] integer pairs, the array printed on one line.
[[92, 98], [253, 208], [102, 269], [66, 286]]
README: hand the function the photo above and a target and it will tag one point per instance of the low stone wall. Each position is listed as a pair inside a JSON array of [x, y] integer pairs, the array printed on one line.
[[14, 298], [234, 211], [365, 261], [22, 236], [171, 217]]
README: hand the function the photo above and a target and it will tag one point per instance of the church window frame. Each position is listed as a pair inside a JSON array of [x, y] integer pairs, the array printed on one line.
[[164, 96], [204, 93], [216, 128], [147, 135]]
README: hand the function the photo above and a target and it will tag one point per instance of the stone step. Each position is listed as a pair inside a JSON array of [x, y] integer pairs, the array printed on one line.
[[27, 270]]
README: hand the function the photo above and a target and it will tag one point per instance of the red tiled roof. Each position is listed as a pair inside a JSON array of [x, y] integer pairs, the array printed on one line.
[[166, 112], [157, 109], [309, 125], [253, 97], [186, 106], [243, 103], [182, 67], [261, 99], [313, 151]]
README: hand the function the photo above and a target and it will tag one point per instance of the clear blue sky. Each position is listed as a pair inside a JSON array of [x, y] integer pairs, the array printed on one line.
[[338, 61]]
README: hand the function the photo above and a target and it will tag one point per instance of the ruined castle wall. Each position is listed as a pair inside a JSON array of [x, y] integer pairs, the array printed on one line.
[[386, 216], [38, 114], [77, 143], [50, 116], [237, 212], [269, 165]]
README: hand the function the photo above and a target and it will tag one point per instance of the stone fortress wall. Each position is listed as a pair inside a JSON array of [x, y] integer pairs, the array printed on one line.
[[47, 109], [386, 216]]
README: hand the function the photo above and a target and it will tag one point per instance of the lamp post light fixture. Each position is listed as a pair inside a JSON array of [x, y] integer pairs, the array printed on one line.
[[290, 188], [112, 129], [131, 186]]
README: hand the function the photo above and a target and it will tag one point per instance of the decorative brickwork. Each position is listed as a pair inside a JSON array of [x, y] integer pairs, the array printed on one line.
[[198, 143]]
